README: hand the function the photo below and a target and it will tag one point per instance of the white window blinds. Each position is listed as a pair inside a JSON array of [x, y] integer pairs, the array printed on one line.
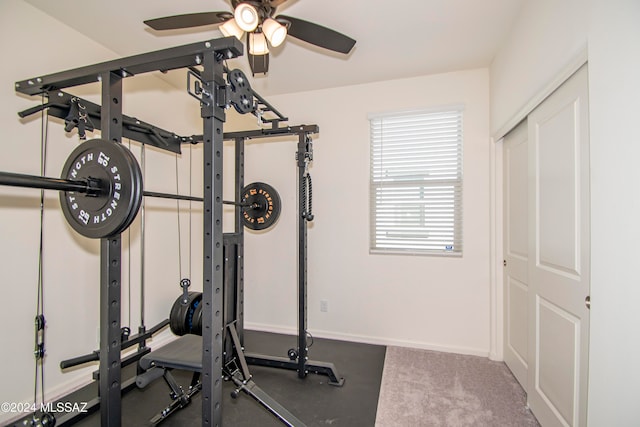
[[416, 182]]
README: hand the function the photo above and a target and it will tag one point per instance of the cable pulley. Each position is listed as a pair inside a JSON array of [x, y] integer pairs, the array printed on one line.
[[241, 95], [39, 348]]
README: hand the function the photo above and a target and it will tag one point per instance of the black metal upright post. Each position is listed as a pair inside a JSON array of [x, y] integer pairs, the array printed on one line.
[[212, 314], [110, 273], [239, 230], [302, 155], [300, 361]]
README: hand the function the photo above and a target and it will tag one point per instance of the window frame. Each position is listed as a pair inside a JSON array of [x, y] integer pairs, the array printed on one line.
[[457, 241]]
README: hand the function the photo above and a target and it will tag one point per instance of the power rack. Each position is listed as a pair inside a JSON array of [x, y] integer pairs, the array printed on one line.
[[205, 62]]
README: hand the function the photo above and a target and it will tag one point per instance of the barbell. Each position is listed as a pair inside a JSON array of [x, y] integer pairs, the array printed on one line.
[[101, 191]]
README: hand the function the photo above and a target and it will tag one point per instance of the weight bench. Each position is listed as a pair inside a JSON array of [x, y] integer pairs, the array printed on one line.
[[185, 353]]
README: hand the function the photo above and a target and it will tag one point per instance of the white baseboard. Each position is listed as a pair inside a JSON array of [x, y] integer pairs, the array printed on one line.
[[364, 339], [161, 339]]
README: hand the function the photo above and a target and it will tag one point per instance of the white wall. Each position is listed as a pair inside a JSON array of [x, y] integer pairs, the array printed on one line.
[[422, 301], [546, 38], [614, 67], [32, 44], [547, 35]]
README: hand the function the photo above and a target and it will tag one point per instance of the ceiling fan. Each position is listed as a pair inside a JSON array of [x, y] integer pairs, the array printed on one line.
[[256, 19]]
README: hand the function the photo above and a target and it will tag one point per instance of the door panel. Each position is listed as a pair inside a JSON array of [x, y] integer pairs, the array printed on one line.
[[516, 252], [558, 338], [558, 268], [557, 192], [517, 309]]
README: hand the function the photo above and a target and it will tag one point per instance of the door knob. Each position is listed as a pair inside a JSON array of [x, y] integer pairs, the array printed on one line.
[[587, 302]]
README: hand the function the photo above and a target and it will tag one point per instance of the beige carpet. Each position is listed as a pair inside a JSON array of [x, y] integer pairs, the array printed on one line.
[[428, 388]]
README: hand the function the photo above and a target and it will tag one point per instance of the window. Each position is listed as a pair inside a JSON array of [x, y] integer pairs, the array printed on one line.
[[416, 182]]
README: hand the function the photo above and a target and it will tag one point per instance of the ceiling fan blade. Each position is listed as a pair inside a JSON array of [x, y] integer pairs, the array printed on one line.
[[189, 20], [276, 3], [317, 34]]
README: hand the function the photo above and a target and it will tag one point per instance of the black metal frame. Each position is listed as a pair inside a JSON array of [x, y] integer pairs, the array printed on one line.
[[209, 56], [304, 154], [132, 128], [139, 339]]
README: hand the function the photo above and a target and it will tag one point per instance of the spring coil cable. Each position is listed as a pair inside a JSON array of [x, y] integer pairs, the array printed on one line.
[[307, 198]]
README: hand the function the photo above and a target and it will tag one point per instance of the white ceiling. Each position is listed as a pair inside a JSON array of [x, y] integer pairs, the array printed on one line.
[[395, 39]]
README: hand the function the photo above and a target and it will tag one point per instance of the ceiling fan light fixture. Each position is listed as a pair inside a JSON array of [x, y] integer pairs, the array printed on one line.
[[246, 17], [230, 28], [258, 44], [274, 31]]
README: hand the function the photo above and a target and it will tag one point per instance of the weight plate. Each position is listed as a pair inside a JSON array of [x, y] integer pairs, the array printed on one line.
[[196, 322], [114, 208], [182, 315], [261, 206]]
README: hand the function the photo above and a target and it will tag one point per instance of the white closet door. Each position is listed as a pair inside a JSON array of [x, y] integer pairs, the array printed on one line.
[[558, 260], [516, 252]]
